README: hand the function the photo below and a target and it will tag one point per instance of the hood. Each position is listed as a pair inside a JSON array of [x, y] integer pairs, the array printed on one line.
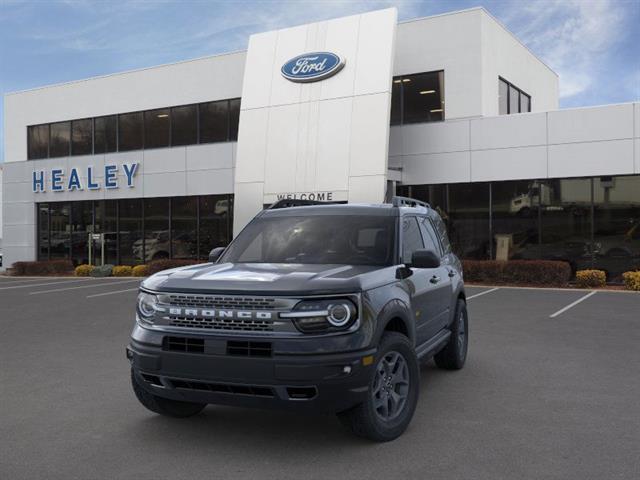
[[269, 278]]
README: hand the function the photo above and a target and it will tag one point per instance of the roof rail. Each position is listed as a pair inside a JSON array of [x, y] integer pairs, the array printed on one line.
[[294, 202], [408, 202]]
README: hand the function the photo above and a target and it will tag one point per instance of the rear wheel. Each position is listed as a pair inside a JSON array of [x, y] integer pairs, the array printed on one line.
[[453, 356], [392, 395], [164, 406]]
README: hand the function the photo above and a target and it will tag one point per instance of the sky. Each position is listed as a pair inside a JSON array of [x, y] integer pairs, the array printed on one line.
[[593, 45]]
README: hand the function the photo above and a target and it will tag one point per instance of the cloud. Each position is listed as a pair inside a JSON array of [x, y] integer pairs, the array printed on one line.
[[574, 37]]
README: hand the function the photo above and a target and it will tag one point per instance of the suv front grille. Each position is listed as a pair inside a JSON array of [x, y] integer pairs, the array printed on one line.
[[245, 325], [182, 344], [214, 302], [253, 390], [249, 349]]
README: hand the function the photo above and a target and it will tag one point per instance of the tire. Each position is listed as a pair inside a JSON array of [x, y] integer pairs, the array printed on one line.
[[453, 356], [164, 406], [368, 420]]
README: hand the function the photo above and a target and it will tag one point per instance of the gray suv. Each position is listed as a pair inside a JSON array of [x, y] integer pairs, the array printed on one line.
[[313, 307]]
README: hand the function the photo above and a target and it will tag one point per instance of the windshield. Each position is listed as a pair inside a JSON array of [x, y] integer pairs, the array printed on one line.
[[324, 239]]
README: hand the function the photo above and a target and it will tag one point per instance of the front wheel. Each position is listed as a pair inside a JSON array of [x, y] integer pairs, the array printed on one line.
[[393, 392], [453, 356], [164, 406]]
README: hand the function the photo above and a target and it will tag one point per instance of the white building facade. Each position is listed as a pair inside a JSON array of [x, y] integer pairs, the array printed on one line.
[[170, 161]]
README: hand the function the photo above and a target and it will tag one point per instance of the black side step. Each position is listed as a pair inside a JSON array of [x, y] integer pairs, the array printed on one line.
[[431, 347]]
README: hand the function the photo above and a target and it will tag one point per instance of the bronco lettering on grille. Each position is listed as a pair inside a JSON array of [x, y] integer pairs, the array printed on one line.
[[208, 313]]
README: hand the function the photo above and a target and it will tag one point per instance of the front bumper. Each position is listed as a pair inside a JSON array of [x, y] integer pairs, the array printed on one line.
[[328, 382]]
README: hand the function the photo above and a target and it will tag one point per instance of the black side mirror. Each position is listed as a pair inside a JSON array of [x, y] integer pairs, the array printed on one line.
[[215, 254], [424, 259]]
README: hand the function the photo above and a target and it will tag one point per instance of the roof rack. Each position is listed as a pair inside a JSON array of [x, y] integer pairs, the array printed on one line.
[[295, 202], [408, 202]]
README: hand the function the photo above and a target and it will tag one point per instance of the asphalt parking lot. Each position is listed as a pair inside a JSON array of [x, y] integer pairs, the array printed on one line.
[[548, 392]]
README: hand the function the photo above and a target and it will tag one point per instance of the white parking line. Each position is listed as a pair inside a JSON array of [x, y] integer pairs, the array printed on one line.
[[483, 293], [83, 286], [571, 305], [112, 293], [64, 282], [18, 281]]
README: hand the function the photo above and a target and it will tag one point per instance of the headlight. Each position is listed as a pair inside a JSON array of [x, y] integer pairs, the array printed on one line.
[[318, 316], [147, 306]]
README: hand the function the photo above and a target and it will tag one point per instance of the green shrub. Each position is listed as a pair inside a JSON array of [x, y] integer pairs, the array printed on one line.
[[84, 270], [141, 271], [156, 266], [631, 280], [591, 278], [45, 267], [122, 271], [102, 271], [517, 272]]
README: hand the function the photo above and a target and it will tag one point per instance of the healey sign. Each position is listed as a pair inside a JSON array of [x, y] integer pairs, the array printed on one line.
[[312, 67], [92, 179]]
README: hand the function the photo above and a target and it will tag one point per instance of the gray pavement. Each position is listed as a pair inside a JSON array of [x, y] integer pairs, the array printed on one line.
[[540, 398]]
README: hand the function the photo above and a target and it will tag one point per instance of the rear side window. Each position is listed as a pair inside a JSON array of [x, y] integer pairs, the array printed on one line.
[[411, 238], [441, 229], [429, 235]]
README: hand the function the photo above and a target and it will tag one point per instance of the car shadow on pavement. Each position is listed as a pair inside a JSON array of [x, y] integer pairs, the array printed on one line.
[[268, 431]]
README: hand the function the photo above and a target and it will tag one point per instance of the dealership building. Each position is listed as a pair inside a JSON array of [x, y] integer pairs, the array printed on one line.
[[452, 109]]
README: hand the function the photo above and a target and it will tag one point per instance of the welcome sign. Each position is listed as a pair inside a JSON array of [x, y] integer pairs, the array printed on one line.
[[57, 180]]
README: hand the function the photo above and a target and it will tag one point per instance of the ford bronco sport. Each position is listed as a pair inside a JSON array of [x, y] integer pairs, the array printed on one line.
[[325, 308]]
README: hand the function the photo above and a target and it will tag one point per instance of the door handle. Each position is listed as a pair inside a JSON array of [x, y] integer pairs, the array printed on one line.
[[452, 273], [435, 279]]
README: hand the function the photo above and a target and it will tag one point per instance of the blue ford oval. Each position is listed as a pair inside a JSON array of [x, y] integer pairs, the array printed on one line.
[[311, 67]]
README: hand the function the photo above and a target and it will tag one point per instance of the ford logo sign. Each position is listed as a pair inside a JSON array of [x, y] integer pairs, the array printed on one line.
[[311, 67]]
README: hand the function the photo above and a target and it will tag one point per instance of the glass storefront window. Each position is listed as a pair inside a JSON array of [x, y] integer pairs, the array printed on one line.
[[514, 100], [565, 214], [525, 102], [616, 229], [234, 118], [130, 131], [157, 243], [43, 231], [184, 227], [214, 121], [514, 211], [38, 141], [82, 137], [503, 97], [468, 220], [417, 98], [135, 230], [131, 241], [59, 139], [396, 102], [60, 233], [215, 218], [106, 223], [184, 125], [156, 128], [105, 134], [587, 222], [176, 126], [81, 227], [511, 99]]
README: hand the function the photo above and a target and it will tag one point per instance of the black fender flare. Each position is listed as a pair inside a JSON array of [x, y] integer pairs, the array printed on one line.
[[395, 309]]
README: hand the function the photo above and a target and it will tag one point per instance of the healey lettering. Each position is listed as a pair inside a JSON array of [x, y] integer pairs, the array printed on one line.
[[57, 181]]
